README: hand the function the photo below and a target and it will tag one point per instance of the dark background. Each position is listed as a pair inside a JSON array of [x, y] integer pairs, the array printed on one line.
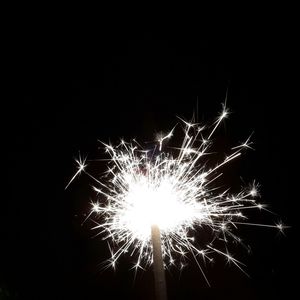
[[73, 85]]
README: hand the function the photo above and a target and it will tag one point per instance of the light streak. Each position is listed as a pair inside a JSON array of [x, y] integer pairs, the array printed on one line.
[[175, 190]]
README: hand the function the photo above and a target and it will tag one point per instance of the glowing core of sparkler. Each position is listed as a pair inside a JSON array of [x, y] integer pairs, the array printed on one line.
[[148, 204]]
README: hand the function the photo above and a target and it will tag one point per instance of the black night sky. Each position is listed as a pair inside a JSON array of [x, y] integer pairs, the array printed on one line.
[[72, 87]]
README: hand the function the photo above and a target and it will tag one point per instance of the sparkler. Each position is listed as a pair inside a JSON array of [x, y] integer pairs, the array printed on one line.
[[151, 202]]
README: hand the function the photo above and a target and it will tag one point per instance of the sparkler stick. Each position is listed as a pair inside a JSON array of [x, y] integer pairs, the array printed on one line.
[[158, 264]]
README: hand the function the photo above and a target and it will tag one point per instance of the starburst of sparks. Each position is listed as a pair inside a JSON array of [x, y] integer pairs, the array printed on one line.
[[174, 190]]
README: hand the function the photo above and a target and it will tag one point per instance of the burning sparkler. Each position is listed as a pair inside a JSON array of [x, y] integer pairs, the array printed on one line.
[[153, 201]]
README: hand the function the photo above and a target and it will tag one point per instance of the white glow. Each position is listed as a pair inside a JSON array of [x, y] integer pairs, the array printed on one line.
[[148, 204]]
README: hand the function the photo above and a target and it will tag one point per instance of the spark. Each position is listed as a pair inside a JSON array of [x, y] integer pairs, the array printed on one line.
[[162, 138], [246, 144], [175, 190], [80, 167]]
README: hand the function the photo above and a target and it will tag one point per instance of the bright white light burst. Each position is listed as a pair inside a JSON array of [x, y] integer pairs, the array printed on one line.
[[174, 190]]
